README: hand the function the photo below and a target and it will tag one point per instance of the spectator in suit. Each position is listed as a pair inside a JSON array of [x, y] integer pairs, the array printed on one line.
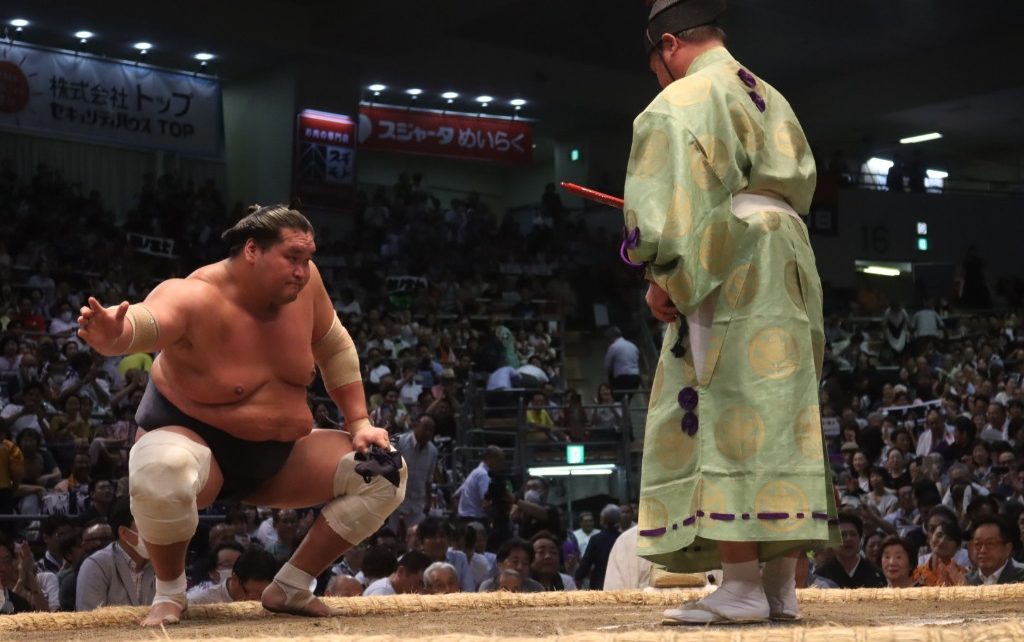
[[991, 546], [118, 574]]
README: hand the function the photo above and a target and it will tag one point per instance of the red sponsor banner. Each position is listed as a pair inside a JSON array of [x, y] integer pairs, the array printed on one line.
[[412, 131], [325, 151]]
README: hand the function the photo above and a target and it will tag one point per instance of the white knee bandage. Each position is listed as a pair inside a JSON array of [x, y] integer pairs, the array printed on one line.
[[166, 471], [360, 508]]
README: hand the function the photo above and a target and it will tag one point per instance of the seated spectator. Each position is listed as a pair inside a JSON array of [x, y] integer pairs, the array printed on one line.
[[286, 525], [541, 426], [251, 572], [434, 537], [378, 562], [546, 563], [54, 529], [574, 420], [28, 415], [609, 413], [19, 585], [515, 556], [391, 413], [344, 586], [881, 499], [41, 472], [407, 578], [440, 578], [940, 569], [899, 560], [991, 546], [100, 502], [70, 425], [471, 539], [849, 569], [70, 494], [93, 538], [117, 574]]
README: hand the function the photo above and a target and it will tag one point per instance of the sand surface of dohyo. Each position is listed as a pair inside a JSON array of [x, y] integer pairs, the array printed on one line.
[[426, 618]]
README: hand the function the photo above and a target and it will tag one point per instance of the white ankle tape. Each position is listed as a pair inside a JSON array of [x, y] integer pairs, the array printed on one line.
[[298, 586], [172, 591]]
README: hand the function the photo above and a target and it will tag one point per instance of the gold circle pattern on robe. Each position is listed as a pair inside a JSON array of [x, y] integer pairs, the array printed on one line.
[[739, 433], [717, 248], [686, 92], [782, 497], [741, 286], [807, 432], [654, 155], [674, 448], [789, 139], [773, 353], [680, 215]]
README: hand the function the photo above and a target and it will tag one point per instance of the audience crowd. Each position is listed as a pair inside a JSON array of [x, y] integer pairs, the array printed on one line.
[[922, 412]]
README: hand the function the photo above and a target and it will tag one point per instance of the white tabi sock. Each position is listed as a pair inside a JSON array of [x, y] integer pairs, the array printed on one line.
[[779, 580], [172, 591], [740, 597]]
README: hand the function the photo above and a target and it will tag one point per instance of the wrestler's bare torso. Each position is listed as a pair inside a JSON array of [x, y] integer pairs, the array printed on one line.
[[241, 372]]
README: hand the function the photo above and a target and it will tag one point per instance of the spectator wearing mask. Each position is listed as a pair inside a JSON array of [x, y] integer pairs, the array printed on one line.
[[533, 513]]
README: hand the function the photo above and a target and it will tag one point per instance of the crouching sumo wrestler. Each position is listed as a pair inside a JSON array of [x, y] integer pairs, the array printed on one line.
[[226, 416]]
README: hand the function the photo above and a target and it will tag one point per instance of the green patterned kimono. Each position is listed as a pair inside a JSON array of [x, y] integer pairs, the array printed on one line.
[[751, 465]]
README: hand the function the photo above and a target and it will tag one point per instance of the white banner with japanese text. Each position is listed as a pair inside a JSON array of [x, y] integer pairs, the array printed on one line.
[[77, 96]]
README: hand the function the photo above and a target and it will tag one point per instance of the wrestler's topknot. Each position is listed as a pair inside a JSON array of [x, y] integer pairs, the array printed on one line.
[[263, 224]]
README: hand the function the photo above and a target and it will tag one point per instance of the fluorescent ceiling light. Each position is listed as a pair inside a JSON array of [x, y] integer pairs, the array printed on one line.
[[484, 99], [19, 23], [921, 138], [517, 102], [414, 91], [450, 95], [937, 173], [203, 56], [143, 46], [878, 270], [566, 471], [377, 87], [84, 35]]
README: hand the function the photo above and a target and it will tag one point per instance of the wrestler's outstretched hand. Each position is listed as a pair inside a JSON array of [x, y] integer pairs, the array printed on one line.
[[99, 326], [371, 435], [661, 305]]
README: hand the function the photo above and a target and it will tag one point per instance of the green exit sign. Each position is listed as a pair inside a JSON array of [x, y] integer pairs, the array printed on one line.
[[574, 454], [574, 155]]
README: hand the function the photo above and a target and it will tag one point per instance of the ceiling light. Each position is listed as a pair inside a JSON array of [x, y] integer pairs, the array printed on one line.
[[450, 95], [377, 87], [484, 99], [203, 57], [414, 92], [565, 471], [19, 23], [84, 35], [921, 138], [937, 173], [143, 46], [878, 270], [517, 102]]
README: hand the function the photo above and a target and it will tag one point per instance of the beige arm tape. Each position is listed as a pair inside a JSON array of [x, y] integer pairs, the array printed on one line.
[[145, 329], [335, 353]]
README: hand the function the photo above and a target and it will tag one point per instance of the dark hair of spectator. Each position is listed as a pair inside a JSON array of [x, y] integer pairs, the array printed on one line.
[[545, 535], [120, 515], [53, 523], [1006, 532], [263, 225], [514, 544], [211, 559], [952, 531], [846, 517], [432, 527], [255, 564], [966, 426], [379, 562], [945, 512], [926, 493], [414, 562], [69, 541], [905, 544]]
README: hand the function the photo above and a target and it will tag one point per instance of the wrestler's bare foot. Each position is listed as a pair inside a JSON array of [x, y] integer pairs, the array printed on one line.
[[274, 600], [163, 613]]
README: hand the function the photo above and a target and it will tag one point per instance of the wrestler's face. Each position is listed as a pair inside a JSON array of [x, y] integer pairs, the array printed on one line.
[[285, 266]]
